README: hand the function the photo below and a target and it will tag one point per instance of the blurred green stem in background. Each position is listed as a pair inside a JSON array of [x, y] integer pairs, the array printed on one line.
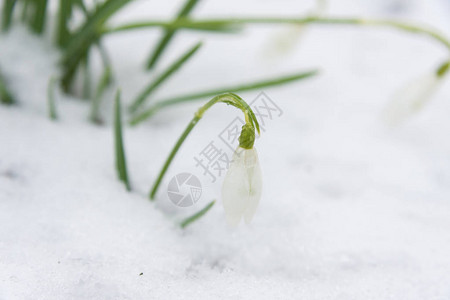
[[81, 41], [39, 16], [5, 96], [168, 34], [51, 101], [96, 102], [7, 13], [239, 22], [150, 88], [62, 22], [239, 88]]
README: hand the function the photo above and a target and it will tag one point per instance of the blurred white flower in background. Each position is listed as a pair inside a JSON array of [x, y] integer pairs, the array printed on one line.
[[414, 96], [242, 186], [284, 41]]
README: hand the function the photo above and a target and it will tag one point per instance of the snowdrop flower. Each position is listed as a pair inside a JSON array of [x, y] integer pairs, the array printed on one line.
[[241, 190], [412, 98], [284, 41]]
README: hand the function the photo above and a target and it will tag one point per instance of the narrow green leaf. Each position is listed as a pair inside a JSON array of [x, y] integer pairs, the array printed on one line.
[[93, 24], [40, 16], [169, 33], [87, 35], [140, 99], [25, 10], [121, 164], [70, 65], [63, 17], [86, 71], [8, 12], [197, 215], [208, 93], [5, 96], [102, 85], [51, 102]]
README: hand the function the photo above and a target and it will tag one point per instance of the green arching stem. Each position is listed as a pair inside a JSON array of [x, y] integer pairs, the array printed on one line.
[[172, 155], [176, 24], [240, 88], [443, 69], [233, 22], [228, 98]]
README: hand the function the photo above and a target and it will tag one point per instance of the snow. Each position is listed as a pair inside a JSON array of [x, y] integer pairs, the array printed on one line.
[[351, 208]]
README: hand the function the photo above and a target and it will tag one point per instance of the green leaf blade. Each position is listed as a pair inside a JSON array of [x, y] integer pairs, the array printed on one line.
[[7, 13], [121, 164], [149, 89], [186, 222], [5, 95], [169, 34], [51, 101]]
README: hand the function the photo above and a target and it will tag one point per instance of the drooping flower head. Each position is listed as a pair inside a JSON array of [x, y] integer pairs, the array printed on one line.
[[413, 97], [242, 186]]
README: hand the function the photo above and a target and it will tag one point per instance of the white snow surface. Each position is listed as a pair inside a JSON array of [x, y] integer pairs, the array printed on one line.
[[351, 209]]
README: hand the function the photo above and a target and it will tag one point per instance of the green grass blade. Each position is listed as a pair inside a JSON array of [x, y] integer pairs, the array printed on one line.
[[7, 13], [93, 24], [25, 10], [169, 34], [197, 215], [40, 16], [82, 40], [51, 101], [240, 88], [121, 164], [63, 17], [5, 96], [140, 99], [105, 80], [87, 78]]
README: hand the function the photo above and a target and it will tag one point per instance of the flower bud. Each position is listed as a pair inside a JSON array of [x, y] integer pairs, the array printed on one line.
[[412, 98], [247, 137]]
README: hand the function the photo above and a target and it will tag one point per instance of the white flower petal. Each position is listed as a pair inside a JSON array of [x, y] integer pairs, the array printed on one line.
[[255, 184], [242, 186], [235, 189]]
